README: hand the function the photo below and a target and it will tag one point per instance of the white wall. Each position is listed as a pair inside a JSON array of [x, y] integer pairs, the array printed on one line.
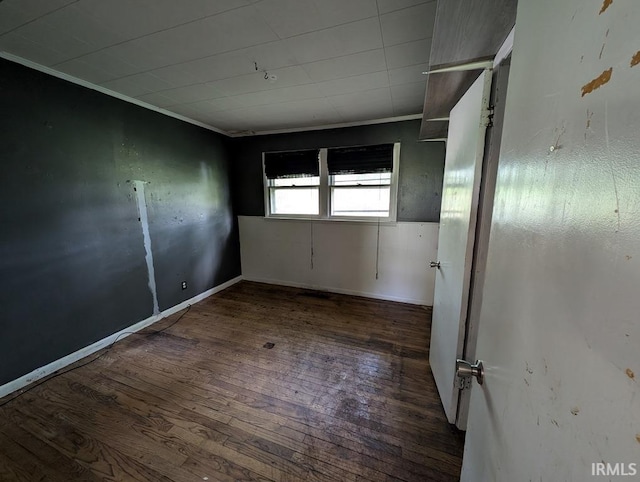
[[344, 256]]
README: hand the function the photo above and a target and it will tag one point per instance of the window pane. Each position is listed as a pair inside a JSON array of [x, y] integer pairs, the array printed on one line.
[[295, 201], [295, 181], [360, 201], [361, 179]]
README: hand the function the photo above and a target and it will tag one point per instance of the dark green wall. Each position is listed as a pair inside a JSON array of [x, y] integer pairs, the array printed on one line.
[[421, 165], [72, 258]]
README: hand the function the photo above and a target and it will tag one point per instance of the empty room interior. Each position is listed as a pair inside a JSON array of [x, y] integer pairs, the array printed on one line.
[[324, 240]]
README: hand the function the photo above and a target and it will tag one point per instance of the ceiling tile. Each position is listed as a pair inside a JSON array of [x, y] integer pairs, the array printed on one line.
[[220, 104], [138, 84], [145, 17], [14, 13], [337, 41], [346, 66], [205, 108], [356, 83], [275, 96], [231, 30], [197, 57], [268, 56], [176, 75], [97, 67], [288, 114], [193, 93], [294, 17], [371, 104], [72, 26], [227, 120], [127, 86], [387, 6], [409, 24], [407, 75], [408, 98], [157, 99], [408, 53], [255, 81], [42, 54], [56, 39]]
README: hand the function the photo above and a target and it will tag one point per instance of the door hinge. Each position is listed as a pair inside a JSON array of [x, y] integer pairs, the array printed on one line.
[[487, 118]]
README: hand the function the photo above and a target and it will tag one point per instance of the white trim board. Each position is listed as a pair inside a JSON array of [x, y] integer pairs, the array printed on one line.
[[65, 361], [339, 291]]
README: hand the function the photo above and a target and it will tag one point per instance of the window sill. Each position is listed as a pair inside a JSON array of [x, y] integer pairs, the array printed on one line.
[[373, 221]]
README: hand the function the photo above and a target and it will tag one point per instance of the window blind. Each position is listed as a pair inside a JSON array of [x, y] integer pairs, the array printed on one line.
[[360, 160], [280, 165]]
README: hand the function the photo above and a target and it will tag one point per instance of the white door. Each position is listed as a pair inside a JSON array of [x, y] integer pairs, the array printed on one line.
[[559, 329], [462, 172]]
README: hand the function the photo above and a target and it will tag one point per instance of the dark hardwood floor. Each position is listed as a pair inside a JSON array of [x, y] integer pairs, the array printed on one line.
[[257, 382]]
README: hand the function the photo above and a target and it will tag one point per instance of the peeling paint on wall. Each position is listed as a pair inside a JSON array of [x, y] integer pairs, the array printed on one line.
[[144, 221], [598, 82], [606, 4]]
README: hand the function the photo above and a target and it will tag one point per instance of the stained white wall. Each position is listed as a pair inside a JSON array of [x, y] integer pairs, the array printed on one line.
[[344, 256]]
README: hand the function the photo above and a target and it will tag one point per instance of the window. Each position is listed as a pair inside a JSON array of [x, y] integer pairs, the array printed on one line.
[[292, 182], [336, 183], [360, 180]]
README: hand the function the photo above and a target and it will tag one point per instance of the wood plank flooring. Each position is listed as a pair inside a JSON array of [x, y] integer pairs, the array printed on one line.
[[344, 394]]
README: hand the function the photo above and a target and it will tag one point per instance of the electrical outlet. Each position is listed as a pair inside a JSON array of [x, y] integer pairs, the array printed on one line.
[[184, 285]]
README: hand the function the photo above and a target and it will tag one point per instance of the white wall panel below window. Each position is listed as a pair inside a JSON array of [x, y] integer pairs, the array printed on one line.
[[344, 256]]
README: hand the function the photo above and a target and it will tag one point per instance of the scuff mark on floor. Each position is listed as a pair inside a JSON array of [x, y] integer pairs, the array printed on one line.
[[598, 82]]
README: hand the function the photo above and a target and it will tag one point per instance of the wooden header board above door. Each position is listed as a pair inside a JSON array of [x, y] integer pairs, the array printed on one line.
[[465, 32]]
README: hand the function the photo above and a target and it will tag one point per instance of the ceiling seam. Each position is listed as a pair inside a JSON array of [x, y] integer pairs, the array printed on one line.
[[275, 88], [78, 57], [383, 120], [274, 103], [151, 33], [386, 64], [38, 18], [407, 7], [150, 71], [210, 99]]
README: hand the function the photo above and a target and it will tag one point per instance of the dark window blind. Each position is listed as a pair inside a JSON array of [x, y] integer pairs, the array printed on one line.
[[360, 160], [280, 165]]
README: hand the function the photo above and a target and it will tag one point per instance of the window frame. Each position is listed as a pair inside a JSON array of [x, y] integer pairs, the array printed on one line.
[[325, 189]]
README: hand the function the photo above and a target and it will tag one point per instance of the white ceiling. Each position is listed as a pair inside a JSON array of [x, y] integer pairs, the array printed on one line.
[[336, 61]]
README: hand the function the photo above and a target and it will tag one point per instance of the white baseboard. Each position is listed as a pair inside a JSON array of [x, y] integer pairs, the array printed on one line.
[[56, 365], [340, 291]]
